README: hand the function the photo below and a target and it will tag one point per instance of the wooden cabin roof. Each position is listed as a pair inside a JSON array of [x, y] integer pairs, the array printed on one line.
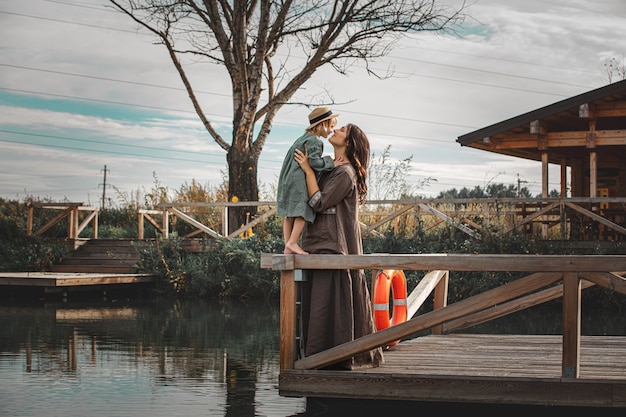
[[595, 119]]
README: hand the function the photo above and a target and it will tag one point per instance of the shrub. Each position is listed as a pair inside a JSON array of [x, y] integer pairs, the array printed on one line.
[[20, 253], [223, 269], [230, 269]]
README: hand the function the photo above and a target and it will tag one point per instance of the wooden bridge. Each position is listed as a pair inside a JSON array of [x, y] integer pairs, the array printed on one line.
[[448, 366]]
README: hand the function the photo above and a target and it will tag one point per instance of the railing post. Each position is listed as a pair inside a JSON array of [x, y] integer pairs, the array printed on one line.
[[29, 222], [139, 224], [69, 215], [571, 325], [73, 222], [225, 221], [288, 346], [94, 225], [166, 222], [440, 299], [563, 221]]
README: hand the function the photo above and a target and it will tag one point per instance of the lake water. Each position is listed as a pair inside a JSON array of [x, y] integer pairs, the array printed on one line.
[[141, 359], [164, 358]]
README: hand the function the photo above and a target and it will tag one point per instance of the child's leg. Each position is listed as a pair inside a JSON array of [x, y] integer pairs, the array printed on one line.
[[287, 228], [291, 244]]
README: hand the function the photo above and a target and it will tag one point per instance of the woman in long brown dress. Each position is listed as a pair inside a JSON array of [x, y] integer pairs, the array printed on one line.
[[336, 306]]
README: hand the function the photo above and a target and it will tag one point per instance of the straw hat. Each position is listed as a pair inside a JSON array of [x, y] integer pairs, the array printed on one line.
[[319, 115]]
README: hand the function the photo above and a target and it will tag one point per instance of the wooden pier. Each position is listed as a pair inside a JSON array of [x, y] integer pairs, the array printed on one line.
[[66, 282], [448, 366], [94, 265]]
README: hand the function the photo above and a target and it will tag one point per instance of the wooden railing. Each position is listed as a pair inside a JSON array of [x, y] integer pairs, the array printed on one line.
[[550, 277], [549, 218], [71, 211], [167, 211]]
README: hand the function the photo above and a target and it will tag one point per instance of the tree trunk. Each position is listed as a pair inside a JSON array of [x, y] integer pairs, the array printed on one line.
[[242, 186]]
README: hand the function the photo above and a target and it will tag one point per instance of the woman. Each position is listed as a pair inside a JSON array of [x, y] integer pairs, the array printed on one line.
[[336, 305]]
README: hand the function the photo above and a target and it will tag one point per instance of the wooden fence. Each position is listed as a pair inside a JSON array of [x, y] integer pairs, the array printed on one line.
[[550, 218]]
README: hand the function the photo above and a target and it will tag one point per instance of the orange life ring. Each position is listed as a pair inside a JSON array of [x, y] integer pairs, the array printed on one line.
[[394, 280]]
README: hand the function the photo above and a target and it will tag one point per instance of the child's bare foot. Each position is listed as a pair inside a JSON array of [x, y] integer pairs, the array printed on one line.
[[294, 248]]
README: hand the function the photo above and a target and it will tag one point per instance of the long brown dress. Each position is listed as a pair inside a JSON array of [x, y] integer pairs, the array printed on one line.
[[336, 306]]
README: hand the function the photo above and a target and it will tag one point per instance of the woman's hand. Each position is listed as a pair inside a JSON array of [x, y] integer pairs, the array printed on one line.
[[302, 158], [340, 161]]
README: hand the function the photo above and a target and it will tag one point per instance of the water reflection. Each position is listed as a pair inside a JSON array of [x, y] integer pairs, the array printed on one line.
[[164, 358], [157, 359]]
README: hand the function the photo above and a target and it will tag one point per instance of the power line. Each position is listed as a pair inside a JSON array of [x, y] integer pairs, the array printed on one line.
[[120, 103], [49, 19], [227, 95], [111, 152], [94, 100], [391, 56], [489, 72], [115, 80], [99, 9], [99, 142], [225, 116]]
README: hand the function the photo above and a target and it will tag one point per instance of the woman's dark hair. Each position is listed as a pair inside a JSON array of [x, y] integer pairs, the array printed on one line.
[[358, 152]]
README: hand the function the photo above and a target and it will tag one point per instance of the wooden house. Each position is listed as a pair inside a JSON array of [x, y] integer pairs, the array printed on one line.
[[585, 135]]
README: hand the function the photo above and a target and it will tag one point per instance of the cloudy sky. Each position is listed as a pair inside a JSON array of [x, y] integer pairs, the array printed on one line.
[[83, 94]]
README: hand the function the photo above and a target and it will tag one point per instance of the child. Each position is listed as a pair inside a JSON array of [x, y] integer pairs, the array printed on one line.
[[292, 196]]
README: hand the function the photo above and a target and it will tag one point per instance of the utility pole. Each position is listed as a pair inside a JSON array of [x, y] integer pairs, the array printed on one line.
[[519, 188], [104, 186]]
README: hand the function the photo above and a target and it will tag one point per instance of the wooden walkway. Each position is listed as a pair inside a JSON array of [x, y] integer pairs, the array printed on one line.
[[69, 279], [477, 368], [65, 282], [446, 366], [95, 264]]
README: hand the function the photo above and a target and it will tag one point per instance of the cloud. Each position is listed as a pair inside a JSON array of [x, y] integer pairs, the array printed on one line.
[[80, 73]]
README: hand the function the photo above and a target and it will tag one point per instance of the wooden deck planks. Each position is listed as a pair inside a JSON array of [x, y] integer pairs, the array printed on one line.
[[69, 279], [506, 369], [602, 357]]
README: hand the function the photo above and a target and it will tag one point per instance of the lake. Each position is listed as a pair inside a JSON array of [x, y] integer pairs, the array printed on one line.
[[166, 358]]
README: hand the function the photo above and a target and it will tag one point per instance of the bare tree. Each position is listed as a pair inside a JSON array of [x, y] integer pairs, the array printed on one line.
[[615, 69], [246, 38]]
